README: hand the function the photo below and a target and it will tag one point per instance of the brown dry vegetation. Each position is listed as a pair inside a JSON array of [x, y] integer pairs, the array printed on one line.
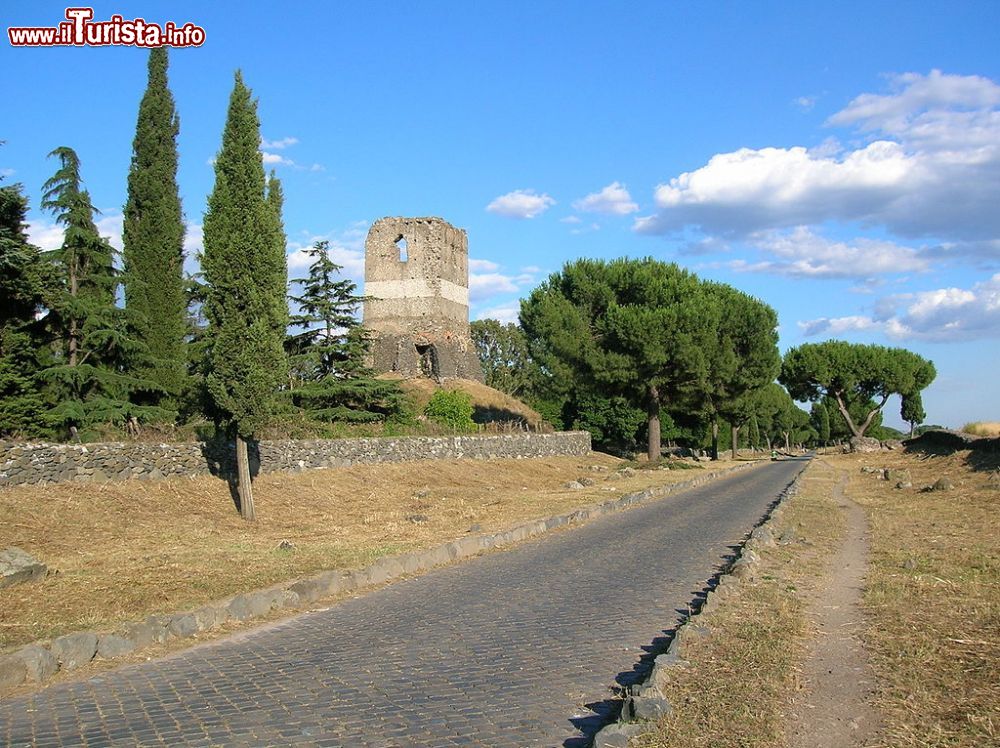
[[420, 389], [932, 599], [126, 550], [982, 428]]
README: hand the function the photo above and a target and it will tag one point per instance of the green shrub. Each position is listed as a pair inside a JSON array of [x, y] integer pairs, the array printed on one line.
[[451, 408]]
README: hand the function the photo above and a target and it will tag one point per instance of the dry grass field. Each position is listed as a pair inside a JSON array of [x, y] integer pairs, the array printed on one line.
[[982, 428], [932, 602], [121, 551]]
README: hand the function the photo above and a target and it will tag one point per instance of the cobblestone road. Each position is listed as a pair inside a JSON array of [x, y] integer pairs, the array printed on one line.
[[519, 648]]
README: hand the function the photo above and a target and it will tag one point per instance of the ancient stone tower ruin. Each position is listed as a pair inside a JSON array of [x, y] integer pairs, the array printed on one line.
[[417, 299]]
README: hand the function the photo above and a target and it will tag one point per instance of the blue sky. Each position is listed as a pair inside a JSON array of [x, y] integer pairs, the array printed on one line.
[[839, 161]]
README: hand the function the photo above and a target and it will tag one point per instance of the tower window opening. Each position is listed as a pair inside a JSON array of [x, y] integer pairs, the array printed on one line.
[[401, 246]]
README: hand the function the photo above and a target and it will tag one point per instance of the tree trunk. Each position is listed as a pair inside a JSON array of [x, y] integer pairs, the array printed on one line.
[[911, 428], [243, 485], [788, 444], [715, 437], [736, 435], [653, 413]]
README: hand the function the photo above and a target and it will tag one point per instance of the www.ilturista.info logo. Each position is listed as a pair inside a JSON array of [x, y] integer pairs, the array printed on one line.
[[78, 30]]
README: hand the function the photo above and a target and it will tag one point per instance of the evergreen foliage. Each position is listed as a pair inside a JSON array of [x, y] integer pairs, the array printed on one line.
[[745, 358], [153, 236], [820, 419], [246, 274], [503, 352], [636, 329], [851, 373], [92, 345], [245, 271], [327, 374], [911, 410], [23, 280]]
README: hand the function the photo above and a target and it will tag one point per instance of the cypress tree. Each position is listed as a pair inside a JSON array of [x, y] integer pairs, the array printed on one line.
[[153, 237], [246, 273]]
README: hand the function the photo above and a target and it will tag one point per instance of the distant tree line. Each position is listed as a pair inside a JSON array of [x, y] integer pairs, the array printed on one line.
[[641, 351]]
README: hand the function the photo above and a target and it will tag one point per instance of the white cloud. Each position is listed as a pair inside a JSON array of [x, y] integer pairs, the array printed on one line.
[[274, 159], [521, 204], [45, 236], [806, 103], [801, 253], [484, 285], [109, 226], [943, 315], [932, 170], [194, 245], [914, 96], [487, 266], [4, 173], [531, 269], [613, 199], [278, 145], [504, 313], [837, 325], [346, 248], [570, 219], [486, 280]]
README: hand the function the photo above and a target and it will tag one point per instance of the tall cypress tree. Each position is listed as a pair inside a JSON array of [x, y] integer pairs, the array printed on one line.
[[153, 236], [246, 273]]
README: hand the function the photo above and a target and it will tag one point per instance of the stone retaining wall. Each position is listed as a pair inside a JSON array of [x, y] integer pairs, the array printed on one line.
[[22, 463]]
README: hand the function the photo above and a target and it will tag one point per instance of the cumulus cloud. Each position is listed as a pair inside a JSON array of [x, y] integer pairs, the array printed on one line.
[[492, 282], [570, 219], [275, 159], [4, 173], [487, 266], [941, 315], [837, 325], [346, 248], [45, 236], [521, 204], [931, 169], [109, 225], [613, 199], [801, 253]]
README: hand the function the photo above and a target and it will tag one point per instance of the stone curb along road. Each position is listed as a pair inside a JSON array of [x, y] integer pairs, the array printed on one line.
[[645, 703], [37, 662]]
